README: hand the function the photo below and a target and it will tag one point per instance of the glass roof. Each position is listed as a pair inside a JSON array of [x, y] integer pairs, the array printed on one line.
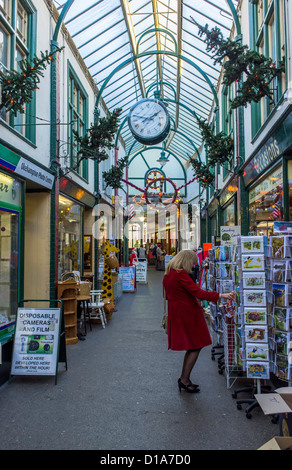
[[109, 33]]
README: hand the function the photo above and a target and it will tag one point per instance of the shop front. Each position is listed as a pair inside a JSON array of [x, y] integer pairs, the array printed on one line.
[[25, 195], [267, 177]]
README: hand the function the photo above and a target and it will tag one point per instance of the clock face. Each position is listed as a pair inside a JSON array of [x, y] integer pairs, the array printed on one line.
[[149, 121]]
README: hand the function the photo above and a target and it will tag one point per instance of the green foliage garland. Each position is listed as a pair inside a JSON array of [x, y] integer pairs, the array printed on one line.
[[113, 177], [18, 87], [99, 137], [253, 72]]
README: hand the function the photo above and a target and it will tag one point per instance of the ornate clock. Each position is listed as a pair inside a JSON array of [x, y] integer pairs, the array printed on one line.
[[149, 121]]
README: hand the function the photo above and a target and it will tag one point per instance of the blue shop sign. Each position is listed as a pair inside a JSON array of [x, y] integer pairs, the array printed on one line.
[[275, 146]]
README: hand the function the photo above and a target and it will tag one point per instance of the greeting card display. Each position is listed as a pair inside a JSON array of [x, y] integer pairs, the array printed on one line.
[[253, 262], [252, 298], [256, 334], [282, 367], [254, 280], [223, 270], [257, 352], [224, 285], [282, 342], [280, 270], [255, 316], [257, 369]]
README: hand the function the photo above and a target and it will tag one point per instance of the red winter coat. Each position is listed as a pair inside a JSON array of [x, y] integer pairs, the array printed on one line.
[[187, 327]]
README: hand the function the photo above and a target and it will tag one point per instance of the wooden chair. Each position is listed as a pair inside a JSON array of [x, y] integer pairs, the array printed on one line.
[[96, 307]]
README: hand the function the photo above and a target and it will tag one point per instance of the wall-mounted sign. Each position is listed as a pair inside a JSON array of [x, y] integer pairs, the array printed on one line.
[[34, 173], [10, 190]]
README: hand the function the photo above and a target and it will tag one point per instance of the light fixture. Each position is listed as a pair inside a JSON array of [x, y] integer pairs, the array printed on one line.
[[162, 160]]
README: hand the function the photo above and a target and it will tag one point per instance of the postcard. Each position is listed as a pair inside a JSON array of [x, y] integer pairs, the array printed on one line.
[[257, 369], [253, 298], [257, 352], [282, 318], [256, 334], [255, 315], [254, 280], [253, 262], [254, 244]]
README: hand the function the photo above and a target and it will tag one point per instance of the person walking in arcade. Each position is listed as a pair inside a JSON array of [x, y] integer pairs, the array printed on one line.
[[187, 327]]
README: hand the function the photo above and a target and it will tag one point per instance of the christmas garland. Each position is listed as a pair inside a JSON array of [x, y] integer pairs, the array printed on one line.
[[18, 87], [252, 71], [99, 137], [113, 177]]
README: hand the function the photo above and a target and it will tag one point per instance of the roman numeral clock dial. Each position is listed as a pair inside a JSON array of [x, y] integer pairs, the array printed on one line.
[[149, 121]]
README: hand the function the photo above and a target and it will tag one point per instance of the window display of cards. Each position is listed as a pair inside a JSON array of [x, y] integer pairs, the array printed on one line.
[[253, 262], [253, 298], [281, 246], [282, 319], [254, 244], [256, 334], [257, 369], [282, 294], [254, 280], [257, 352], [255, 315]]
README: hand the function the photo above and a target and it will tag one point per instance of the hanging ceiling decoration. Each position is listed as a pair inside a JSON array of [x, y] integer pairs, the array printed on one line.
[[150, 49]]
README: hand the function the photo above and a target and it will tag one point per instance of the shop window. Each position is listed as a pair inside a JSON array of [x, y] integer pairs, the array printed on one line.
[[266, 203], [70, 227], [17, 42], [228, 214], [77, 109]]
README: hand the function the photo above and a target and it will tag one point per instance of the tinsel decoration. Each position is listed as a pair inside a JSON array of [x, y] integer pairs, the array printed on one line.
[[253, 72], [99, 137], [113, 177], [18, 87]]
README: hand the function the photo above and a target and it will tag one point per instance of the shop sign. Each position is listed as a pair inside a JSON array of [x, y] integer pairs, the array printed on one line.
[[229, 234], [141, 271], [10, 190], [34, 173], [280, 141], [282, 227], [36, 342], [129, 278]]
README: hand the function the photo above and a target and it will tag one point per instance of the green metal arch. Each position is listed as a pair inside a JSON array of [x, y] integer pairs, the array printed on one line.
[[160, 148], [149, 53], [154, 30], [235, 16], [160, 83]]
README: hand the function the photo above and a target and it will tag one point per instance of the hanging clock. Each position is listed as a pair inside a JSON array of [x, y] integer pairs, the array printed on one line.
[[149, 121]]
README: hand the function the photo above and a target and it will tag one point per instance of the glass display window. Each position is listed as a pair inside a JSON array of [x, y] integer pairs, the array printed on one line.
[[266, 203], [70, 239], [228, 214]]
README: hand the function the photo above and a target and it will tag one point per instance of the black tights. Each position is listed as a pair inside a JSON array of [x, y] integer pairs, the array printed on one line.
[[190, 360]]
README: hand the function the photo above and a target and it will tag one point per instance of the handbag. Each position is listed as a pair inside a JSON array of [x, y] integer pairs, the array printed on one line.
[[164, 322]]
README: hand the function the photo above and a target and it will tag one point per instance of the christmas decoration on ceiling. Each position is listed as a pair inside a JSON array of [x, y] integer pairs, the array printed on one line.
[[98, 138], [252, 71], [18, 87]]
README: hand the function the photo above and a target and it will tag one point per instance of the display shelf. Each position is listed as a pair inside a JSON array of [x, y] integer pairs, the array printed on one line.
[[67, 292]]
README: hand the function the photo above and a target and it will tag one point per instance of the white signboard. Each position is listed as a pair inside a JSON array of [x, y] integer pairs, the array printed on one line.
[[229, 234], [141, 271], [34, 173], [36, 342]]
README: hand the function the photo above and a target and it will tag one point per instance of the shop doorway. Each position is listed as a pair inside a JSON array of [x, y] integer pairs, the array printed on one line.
[[9, 257]]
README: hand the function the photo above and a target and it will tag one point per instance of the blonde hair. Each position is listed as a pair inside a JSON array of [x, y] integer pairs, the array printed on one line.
[[185, 259]]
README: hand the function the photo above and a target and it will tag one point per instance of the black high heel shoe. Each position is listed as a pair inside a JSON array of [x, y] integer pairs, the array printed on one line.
[[188, 388]]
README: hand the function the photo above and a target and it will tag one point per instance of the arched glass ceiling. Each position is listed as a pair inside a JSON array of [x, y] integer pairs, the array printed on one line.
[[107, 32]]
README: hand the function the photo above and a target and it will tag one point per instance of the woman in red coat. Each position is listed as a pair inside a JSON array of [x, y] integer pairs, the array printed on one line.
[[187, 327]]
